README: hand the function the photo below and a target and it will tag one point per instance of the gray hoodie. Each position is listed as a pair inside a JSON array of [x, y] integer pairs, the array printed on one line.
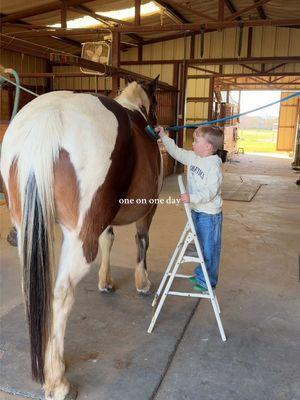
[[204, 177]]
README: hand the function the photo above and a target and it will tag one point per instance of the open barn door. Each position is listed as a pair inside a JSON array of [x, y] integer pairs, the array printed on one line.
[[287, 123]]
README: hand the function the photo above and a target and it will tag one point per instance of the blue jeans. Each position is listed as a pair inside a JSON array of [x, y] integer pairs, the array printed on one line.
[[209, 232]]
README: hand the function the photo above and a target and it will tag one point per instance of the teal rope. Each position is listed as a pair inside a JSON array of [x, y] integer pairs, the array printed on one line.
[[215, 121], [18, 85]]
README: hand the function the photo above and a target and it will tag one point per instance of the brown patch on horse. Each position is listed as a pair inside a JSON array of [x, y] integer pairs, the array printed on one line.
[[105, 203], [66, 191], [144, 181], [14, 199]]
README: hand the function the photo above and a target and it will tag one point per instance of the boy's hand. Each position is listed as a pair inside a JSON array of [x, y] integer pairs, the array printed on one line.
[[185, 197], [160, 130]]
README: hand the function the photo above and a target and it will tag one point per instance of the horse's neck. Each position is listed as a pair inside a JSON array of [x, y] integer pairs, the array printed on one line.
[[128, 104]]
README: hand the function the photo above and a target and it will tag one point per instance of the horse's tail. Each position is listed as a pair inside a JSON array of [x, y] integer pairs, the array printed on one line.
[[35, 167]]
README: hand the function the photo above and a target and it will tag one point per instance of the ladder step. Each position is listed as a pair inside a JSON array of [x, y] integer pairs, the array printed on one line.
[[180, 275], [186, 259], [182, 294]]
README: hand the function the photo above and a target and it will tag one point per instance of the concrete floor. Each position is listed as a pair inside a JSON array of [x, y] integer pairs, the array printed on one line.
[[258, 292]]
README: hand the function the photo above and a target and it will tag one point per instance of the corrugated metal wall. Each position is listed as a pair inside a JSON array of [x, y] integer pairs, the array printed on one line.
[[20, 63], [24, 63], [266, 42]]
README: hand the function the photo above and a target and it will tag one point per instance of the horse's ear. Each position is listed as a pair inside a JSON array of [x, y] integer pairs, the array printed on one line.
[[153, 84], [128, 80]]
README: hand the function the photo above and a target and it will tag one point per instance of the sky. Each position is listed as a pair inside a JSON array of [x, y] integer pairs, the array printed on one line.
[[251, 99]]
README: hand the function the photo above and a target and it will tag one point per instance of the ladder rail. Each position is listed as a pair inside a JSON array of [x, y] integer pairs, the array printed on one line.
[[188, 235]]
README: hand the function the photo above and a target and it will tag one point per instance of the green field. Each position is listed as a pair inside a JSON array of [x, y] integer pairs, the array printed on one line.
[[258, 140]]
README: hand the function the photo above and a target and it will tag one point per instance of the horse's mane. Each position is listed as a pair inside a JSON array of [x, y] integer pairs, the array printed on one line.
[[134, 97]]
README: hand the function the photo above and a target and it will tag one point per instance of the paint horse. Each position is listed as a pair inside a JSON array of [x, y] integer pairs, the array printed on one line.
[[70, 158]]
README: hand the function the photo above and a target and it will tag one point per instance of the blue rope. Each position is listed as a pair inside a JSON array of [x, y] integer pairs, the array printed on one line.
[[215, 121]]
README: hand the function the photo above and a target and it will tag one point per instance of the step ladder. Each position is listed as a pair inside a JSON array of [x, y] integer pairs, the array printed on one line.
[[179, 257]]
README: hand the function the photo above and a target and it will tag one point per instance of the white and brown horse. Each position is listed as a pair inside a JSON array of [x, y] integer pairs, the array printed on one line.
[[70, 158]]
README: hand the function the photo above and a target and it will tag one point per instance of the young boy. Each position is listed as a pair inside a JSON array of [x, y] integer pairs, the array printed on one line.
[[204, 178]]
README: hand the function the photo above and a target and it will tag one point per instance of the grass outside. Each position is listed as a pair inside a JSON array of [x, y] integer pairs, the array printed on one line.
[[258, 140]]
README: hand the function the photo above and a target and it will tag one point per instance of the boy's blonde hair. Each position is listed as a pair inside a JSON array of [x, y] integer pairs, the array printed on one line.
[[213, 134]]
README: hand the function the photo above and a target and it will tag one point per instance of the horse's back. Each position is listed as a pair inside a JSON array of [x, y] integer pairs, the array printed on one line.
[[87, 140]]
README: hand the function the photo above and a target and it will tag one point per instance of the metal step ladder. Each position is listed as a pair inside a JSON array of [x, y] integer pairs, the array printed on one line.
[[179, 257]]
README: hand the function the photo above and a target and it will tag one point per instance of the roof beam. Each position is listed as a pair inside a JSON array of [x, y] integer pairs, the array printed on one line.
[[173, 14], [64, 59], [246, 9], [221, 61], [29, 26], [189, 9], [164, 28], [30, 12], [220, 10], [102, 18], [217, 76], [261, 11], [274, 68], [106, 20]]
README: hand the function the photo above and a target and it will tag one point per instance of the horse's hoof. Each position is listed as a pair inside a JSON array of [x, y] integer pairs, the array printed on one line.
[[106, 289], [73, 393], [147, 291]]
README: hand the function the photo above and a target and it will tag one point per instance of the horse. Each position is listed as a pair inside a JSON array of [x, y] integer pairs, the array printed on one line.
[[72, 159]]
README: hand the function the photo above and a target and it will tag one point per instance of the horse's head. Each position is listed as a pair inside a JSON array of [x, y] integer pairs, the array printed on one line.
[[141, 96], [150, 89]]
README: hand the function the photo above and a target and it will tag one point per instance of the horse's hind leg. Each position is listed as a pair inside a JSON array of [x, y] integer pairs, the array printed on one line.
[[106, 241], [72, 268], [142, 282]]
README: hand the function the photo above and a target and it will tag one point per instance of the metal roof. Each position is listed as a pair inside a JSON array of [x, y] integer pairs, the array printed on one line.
[[272, 9]]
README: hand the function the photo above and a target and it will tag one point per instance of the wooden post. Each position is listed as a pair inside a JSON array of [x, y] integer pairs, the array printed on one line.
[[63, 17], [115, 62], [182, 103], [221, 10], [137, 12], [211, 98], [192, 49], [140, 52], [249, 45]]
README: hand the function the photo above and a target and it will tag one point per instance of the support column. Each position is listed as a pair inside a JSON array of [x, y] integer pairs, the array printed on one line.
[[63, 17], [115, 62], [137, 12], [211, 98], [182, 104]]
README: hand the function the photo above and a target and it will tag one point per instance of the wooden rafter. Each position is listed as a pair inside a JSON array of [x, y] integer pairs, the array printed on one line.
[[30, 12], [172, 12], [220, 10], [190, 9], [250, 68], [261, 11], [98, 67], [276, 67], [28, 26], [246, 9], [242, 75], [221, 61], [164, 28], [202, 69]]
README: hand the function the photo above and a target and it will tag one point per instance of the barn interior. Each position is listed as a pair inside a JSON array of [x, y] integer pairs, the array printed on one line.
[[202, 50]]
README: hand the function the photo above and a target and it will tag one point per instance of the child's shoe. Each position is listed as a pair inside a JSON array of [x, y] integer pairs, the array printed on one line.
[[200, 288], [193, 279]]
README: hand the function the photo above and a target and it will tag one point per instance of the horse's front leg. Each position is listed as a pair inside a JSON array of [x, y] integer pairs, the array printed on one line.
[[72, 268], [142, 281], [106, 241]]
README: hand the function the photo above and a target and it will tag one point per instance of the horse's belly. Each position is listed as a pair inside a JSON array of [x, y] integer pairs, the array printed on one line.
[[139, 199]]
